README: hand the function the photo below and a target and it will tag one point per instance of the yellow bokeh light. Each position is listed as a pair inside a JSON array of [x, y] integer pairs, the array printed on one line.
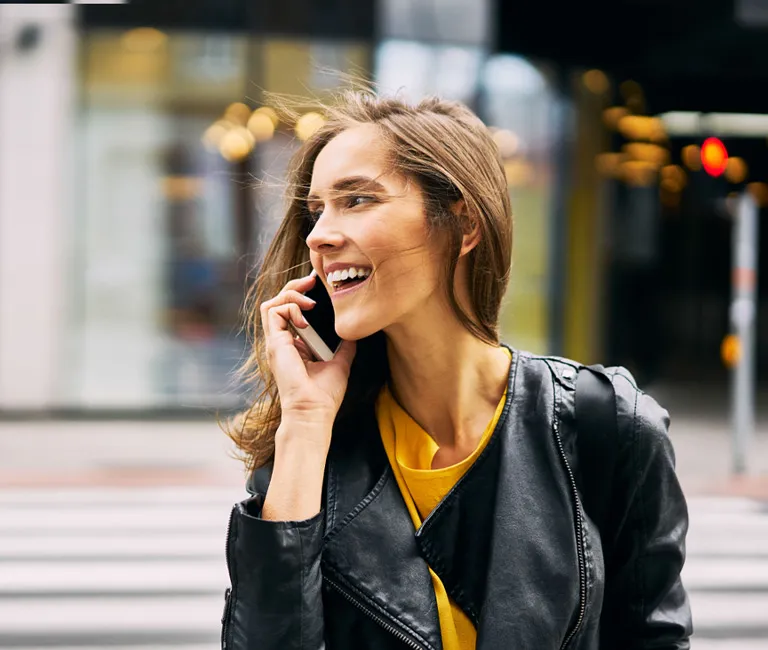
[[261, 126], [651, 153], [759, 192], [609, 164], [214, 133], [596, 81], [237, 144], [736, 170], [270, 113], [639, 173], [143, 39], [308, 124], [673, 178], [238, 113], [612, 116], [641, 127], [730, 350], [671, 185], [507, 142], [691, 156]]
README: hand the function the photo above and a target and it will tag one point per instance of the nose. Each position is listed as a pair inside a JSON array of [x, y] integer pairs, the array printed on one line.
[[325, 236]]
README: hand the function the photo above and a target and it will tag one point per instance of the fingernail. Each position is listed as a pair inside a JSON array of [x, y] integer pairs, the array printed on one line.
[[314, 302]]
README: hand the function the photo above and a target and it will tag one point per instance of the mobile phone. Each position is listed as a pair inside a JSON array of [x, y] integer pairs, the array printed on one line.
[[320, 336]]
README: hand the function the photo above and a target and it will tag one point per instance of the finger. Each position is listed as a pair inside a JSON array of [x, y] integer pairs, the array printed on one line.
[[300, 284], [282, 316], [304, 352], [284, 297]]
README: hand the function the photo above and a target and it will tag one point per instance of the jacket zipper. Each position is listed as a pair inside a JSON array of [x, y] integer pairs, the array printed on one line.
[[378, 619], [579, 546], [229, 593]]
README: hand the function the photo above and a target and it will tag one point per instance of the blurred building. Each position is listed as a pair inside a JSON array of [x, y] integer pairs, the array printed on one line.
[[140, 170]]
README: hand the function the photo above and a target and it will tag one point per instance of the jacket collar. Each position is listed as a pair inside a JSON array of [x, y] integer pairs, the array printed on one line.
[[504, 528]]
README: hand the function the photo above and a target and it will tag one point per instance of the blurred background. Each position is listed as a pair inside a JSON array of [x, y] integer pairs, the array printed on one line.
[[140, 170]]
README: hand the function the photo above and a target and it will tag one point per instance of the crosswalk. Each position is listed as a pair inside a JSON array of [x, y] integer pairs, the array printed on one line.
[[726, 573], [144, 569], [100, 568]]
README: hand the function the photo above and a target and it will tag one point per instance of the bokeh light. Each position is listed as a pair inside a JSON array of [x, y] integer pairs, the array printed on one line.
[[714, 156], [736, 170], [759, 192], [261, 126], [237, 144], [648, 152], [238, 112], [596, 81], [308, 124], [143, 40], [691, 156], [507, 142], [612, 116], [673, 178]]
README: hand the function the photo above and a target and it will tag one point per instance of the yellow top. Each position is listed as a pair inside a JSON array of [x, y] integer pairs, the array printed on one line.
[[410, 450]]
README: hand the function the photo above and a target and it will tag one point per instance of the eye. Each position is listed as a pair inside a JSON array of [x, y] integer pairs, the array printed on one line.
[[357, 200]]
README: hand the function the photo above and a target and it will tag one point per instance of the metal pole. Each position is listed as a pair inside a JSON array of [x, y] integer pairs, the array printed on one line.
[[743, 315]]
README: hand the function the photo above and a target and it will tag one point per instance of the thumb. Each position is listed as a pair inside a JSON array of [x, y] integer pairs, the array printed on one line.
[[346, 353]]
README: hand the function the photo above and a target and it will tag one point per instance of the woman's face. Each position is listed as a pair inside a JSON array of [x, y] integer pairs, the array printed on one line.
[[372, 220]]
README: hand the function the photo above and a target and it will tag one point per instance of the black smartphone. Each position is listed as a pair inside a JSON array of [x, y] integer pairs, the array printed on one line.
[[320, 336]]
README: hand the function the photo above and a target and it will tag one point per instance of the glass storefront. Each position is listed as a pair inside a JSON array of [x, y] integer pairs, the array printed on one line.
[[171, 219], [179, 190]]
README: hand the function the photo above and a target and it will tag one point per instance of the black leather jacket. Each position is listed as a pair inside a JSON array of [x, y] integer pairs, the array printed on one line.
[[511, 541]]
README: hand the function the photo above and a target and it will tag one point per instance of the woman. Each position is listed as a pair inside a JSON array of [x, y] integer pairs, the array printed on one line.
[[420, 490]]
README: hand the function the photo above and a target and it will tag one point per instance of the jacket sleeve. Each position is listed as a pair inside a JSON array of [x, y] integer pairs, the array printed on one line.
[[645, 604], [275, 600]]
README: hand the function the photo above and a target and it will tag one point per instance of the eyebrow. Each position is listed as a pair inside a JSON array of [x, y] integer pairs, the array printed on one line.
[[349, 183]]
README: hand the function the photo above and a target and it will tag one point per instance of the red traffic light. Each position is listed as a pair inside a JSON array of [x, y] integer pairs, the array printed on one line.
[[714, 156]]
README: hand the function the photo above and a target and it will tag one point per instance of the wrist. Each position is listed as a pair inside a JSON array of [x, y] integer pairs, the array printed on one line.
[[303, 439]]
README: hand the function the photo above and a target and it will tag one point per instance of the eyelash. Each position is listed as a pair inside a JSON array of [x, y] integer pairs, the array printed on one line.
[[314, 215]]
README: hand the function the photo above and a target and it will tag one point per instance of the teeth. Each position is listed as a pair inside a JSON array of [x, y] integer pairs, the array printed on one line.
[[352, 272]]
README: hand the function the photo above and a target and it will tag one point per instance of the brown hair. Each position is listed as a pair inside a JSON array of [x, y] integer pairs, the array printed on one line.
[[449, 153]]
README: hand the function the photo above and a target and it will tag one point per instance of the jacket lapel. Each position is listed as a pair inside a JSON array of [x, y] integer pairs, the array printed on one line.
[[370, 547], [533, 583]]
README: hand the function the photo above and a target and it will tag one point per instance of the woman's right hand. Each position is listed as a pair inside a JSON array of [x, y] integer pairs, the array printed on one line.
[[310, 391]]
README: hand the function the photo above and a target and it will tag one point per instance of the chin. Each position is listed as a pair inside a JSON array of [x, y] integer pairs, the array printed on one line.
[[351, 330]]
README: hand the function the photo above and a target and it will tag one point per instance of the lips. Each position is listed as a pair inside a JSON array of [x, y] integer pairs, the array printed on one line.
[[346, 290]]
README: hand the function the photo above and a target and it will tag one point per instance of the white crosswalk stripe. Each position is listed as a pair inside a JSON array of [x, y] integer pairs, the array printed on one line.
[[144, 569], [93, 569], [726, 573]]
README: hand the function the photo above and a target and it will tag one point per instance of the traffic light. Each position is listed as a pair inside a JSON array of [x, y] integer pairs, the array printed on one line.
[[714, 156]]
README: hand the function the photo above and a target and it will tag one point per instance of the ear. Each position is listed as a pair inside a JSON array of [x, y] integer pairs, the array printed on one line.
[[471, 228]]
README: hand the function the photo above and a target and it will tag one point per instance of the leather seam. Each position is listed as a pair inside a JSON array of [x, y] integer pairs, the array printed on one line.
[[368, 600], [367, 500], [641, 507], [332, 486], [302, 573], [578, 509]]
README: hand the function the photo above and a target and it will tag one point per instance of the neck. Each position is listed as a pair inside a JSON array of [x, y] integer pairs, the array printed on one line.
[[448, 380]]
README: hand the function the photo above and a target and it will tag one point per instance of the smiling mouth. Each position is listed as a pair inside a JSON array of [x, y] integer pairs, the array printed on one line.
[[344, 287], [342, 281]]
